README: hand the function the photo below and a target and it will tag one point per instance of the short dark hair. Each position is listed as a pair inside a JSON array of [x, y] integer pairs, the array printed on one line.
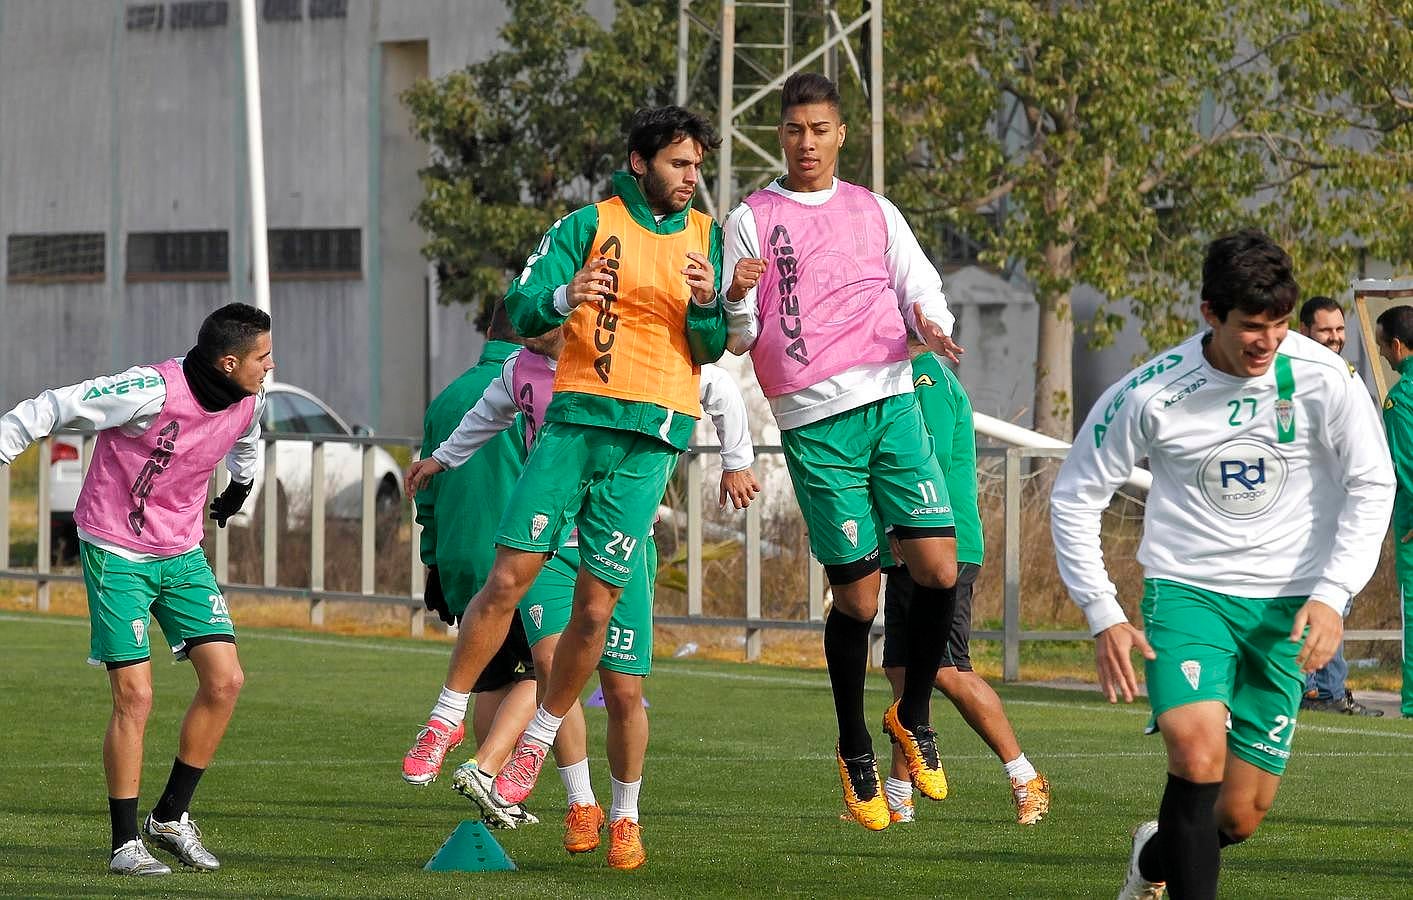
[[231, 330], [498, 328], [1396, 322], [653, 128], [804, 88], [1246, 270], [1315, 305]]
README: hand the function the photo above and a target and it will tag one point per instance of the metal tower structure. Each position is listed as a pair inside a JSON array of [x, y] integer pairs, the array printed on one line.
[[753, 46]]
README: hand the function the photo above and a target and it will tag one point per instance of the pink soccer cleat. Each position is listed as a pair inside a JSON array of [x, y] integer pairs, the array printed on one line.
[[423, 762]]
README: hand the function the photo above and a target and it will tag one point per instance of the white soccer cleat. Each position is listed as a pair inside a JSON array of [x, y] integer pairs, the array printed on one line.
[[183, 840], [133, 858], [475, 785], [1136, 887]]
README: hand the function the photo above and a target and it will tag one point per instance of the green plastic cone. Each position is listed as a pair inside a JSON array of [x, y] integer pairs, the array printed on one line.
[[470, 848]]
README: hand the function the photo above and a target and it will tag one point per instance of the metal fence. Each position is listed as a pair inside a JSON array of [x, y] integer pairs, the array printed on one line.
[[1013, 463]]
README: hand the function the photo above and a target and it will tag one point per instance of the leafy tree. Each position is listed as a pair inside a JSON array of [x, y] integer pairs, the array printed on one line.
[[1132, 131], [532, 132]]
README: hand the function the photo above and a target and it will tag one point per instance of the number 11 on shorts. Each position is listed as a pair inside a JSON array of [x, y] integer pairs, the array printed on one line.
[[928, 491]]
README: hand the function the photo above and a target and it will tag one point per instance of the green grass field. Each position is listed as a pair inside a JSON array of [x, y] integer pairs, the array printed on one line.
[[741, 796]]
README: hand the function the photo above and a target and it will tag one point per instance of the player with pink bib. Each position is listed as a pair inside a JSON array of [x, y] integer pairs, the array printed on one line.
[[163, 430], [828, 281]]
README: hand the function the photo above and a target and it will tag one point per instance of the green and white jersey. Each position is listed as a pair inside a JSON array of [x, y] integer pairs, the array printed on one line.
[[1271, 486]]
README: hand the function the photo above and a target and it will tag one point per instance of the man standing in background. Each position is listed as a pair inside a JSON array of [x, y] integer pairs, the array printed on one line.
[[1322, 320], [1394, 335]]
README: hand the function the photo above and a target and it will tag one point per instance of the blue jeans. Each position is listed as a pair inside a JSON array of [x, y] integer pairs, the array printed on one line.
[[1328, 682]]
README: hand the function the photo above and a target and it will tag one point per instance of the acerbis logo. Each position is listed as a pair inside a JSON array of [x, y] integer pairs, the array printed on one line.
[[1187, 391], [1242, 479]]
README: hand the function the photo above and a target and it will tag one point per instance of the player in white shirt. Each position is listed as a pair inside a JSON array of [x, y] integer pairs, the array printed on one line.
[[1272, 489]]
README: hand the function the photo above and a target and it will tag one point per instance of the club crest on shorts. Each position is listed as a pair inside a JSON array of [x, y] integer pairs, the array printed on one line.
[[139, 628], [1192, 671], [537, 614], [538, 522], [851, 531]]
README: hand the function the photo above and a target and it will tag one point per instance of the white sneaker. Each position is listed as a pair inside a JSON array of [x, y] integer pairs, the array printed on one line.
[[182, 839], [1136, 887], [476, 785], [133, 858]]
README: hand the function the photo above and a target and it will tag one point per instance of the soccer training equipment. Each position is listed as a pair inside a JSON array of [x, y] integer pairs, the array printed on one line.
[[475, 785], [1136, 887], [517, 778], [1032, 799], [423, 762], [862, 796], [182, 839], [625, 845], [582, 825], [133, 858], [919, 746]]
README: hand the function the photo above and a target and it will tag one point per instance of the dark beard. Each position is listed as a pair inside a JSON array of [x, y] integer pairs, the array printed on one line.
[[659, 195]]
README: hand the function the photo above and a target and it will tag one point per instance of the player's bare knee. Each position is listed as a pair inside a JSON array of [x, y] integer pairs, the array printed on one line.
[[224, 687], [950, 681], [622, 699], [133, 701], [1197, 762], [938, 574], [1239, 824]]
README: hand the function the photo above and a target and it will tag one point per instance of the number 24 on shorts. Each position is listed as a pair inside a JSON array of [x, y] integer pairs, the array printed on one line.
[[623, 542]]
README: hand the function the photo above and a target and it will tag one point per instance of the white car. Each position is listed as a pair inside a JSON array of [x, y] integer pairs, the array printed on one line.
[[288, 411]]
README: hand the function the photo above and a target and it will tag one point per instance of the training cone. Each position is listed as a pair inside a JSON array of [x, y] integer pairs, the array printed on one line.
[[470, 848], [596, 698]]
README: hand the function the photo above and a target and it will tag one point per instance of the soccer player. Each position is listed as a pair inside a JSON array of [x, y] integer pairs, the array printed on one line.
[[1322, 321], [634, 281], [458, 515], [524, 386], [1271, 494], [1394, 336], [163, 429], [828, 280], [946, 410]]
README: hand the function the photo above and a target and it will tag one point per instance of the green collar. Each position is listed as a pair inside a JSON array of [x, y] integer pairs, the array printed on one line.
[[1406, 366], [627, 189], [496, 352]]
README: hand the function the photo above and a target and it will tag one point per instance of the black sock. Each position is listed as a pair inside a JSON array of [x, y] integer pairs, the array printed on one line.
[[846, 655], [929, 621], [176, 799], [1190, 854], [1150, 866], [122, 815]]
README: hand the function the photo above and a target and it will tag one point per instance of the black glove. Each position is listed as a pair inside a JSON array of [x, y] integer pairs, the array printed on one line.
[[434, 599], [230, 501]]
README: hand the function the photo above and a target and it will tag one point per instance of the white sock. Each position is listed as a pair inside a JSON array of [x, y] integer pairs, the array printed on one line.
[[544, 726], [625, 800], [451, 707], [898, 792], [1020, 769], [576, 782]]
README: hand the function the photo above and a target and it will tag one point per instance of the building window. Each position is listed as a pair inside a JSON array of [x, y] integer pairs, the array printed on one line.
[[199, 14], [48, 258], [145, 17], [178, 256], [313, 253], [284, 10], [328, 9]]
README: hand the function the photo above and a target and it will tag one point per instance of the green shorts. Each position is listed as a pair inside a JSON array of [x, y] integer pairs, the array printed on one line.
[[606, 481], [1237, 650], [123, 596], [870, 466], [628, 645]]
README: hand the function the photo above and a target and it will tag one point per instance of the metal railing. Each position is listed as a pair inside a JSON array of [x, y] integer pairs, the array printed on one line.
[[1011, 635]]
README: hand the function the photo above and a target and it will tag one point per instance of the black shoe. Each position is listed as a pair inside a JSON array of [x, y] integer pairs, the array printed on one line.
[[1351, 707]]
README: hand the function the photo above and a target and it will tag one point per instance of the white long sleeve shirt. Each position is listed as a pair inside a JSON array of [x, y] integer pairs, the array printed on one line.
[[720, 397], [1257, 491], [129, 401], [911, 274]]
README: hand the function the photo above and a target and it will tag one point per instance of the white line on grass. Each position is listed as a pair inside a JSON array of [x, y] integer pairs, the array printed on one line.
[[697, 672], [315, 763]]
